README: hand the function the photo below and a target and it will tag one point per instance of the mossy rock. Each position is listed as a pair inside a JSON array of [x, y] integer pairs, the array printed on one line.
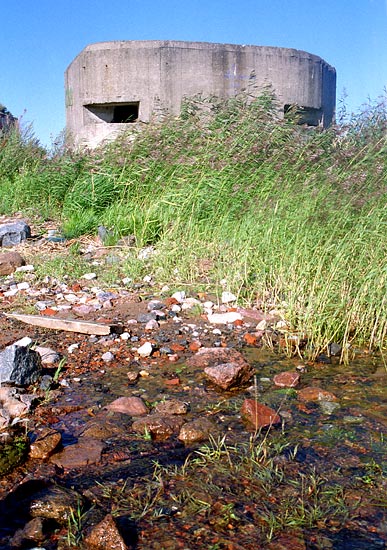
[[13, 454]]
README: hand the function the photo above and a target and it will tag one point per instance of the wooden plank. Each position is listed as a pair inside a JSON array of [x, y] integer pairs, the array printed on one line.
[[82, 327]]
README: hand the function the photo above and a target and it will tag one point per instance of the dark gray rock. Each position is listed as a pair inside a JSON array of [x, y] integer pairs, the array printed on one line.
[[146, 317], [14, 233], [20, 365]]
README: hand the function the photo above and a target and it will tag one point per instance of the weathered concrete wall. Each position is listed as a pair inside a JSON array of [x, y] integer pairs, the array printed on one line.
[[110, 82]]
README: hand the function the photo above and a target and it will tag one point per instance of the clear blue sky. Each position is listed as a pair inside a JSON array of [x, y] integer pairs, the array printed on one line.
[[39, 39]]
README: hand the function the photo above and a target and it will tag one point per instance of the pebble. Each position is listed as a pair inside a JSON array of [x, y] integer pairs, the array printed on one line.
[[179, 296], [328, 407], [23, 286], [26, 341], [155, 304], [72, 298], [145, 350], [152, 325], [25, 268], [89, 276], [72, 348], [228, 297], [224, 318], [287, 379], [107, 357]]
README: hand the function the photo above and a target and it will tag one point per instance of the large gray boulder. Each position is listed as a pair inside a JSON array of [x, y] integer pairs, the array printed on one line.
[[19, 365], [14, 233]]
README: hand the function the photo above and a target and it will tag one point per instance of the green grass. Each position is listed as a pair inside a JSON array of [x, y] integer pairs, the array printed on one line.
[[294, 219], [223, 488]]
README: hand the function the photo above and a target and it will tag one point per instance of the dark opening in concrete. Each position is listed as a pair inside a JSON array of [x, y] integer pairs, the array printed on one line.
[[303, 115], [116, 113]]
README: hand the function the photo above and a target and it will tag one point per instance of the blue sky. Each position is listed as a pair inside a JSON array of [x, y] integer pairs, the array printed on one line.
[[39, 39]]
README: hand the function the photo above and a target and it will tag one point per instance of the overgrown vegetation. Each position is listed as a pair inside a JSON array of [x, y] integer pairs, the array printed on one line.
[[292, 218]]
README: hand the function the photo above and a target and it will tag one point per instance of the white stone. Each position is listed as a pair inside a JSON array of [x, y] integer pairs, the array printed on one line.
[[125, 336], [144, 373], [261, 325], [72, 298], [24, 268], [145, 350], [189, 303], [72, 348], [175, 308], [107, 357], [208, 305], [23, 286], [179, 295], [147, 279], [152, 325], [23, 342], [281, 324], [89, 276], [217, 331], [9, 293], [127, 280], [228, 297], [224, 318], [48, 355]]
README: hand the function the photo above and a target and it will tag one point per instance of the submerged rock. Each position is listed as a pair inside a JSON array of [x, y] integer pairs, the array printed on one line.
[[105, 536], [134, 406], [229, 375], [259, 415], [86, 451], [287, 379], [54, 502], [159, 427], [315, 394], [171, 406], [226, 367], [45, 443], [32, 531], [197, 430]]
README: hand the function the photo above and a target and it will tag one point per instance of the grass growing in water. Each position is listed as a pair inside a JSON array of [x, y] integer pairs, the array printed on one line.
[[251, 493], [292, 218]]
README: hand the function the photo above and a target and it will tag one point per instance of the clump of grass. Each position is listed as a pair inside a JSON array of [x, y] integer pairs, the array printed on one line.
[[293, 218]]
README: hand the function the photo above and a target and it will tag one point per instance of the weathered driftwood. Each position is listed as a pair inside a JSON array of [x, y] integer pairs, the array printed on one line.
[[83, 327]]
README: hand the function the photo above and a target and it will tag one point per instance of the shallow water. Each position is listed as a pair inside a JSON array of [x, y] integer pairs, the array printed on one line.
[[344, 444]]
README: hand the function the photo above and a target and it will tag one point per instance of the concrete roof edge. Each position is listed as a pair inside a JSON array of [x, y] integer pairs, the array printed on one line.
[[117, 44]]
